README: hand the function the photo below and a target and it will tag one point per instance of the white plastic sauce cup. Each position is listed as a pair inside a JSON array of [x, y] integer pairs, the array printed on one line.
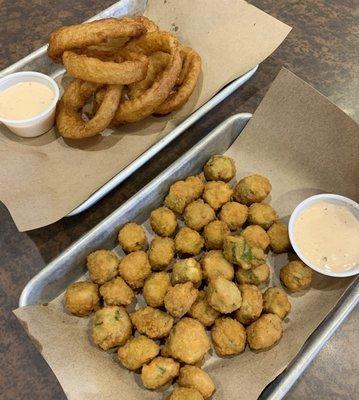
[[41, 123]]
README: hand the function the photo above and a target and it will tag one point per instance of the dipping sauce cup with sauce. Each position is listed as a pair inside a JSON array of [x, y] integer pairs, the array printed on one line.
[[28, 103], [324, 232]]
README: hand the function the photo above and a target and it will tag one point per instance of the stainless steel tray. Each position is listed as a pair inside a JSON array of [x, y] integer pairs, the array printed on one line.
[[38, 61], [70, 265]]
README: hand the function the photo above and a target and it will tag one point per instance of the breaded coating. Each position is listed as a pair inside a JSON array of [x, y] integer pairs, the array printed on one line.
[[134, 268], [111, 326], [179, 299], [265, 332], [228, 336], [275, 301], [202, 311], [198, 214], [161, 253], [102, 266], [214, 234], [132, 237], [116, 292], [214, 265], [163, 221], [252, 304], [279, 238], [188, 241], [81, 298], [137, 351], [186, 270], [255, 276], [296, 276], [155, 288], [263, 215], [256, 236], [183, 393], [196, 378], [219, 168], [196, 184], [223, 295], [152, 322], [238, 251], [252, 189], [217, 193], [158, 372], [234, 215]]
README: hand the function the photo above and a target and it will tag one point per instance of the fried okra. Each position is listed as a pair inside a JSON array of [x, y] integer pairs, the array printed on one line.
[[179, 299], [228, 336], [275, 301], [252, 304], [238, 251], [187, 270], [279, 237], [155, 288], [137, 351], [214, 233], [252, 189], [116, 292], [158, 372], [198, 214], [217, 193], [102, 266], [256, 236], [152, 322], [234, 214], [111, 326], [196, 378], [161, 253], [132, 237], [188, 241], [263, 215], [134, 268], [187, 342], [214, 265], [184, 393], [163, 221], [296, 276], [202, 311], [223, 295], [219, 168], [255, 276], [82, 298], [265, 332]]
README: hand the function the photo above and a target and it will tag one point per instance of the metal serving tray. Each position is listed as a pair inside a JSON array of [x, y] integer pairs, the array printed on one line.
[[38, 61], [70, 265]]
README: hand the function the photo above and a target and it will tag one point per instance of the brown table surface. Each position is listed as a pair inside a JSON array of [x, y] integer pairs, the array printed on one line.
[[322, 49]]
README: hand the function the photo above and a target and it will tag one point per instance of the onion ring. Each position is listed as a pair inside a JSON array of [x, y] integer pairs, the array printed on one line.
[[68, 117], [92, 69], [187, 82], [92, 33], [148, 24]]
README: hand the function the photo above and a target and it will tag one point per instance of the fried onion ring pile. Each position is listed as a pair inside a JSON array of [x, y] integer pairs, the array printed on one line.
[[127, 68]]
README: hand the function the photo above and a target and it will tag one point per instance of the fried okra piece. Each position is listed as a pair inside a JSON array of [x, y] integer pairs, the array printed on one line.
[[111, 327], [116, 292], [234, 215], [198, 214], [152, 322], [279, 237], [155, 288], [82, 298], [238, 251], [161, 253], [275, 301], [179, 299], [137, 351], [217, 193], [187, 270], [252, 304], [228, 336], [196, 378], [214, 234], [256, 236], [202, 311], [134, 268], [163, 221], [255, 276], [132, 237], [265, 332], [219, 168], [252, 189], [214, 265], [184, 393], [296, 276], [263, 215], [223, 295], [159, 372], [188, 241], [188, 341], [102, 266]]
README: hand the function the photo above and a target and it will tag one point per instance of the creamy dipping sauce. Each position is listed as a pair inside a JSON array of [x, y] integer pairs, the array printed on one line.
[[25, 100], [328, 235]]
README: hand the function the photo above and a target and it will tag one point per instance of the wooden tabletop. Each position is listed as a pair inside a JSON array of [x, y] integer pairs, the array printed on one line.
[[322, 49]]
